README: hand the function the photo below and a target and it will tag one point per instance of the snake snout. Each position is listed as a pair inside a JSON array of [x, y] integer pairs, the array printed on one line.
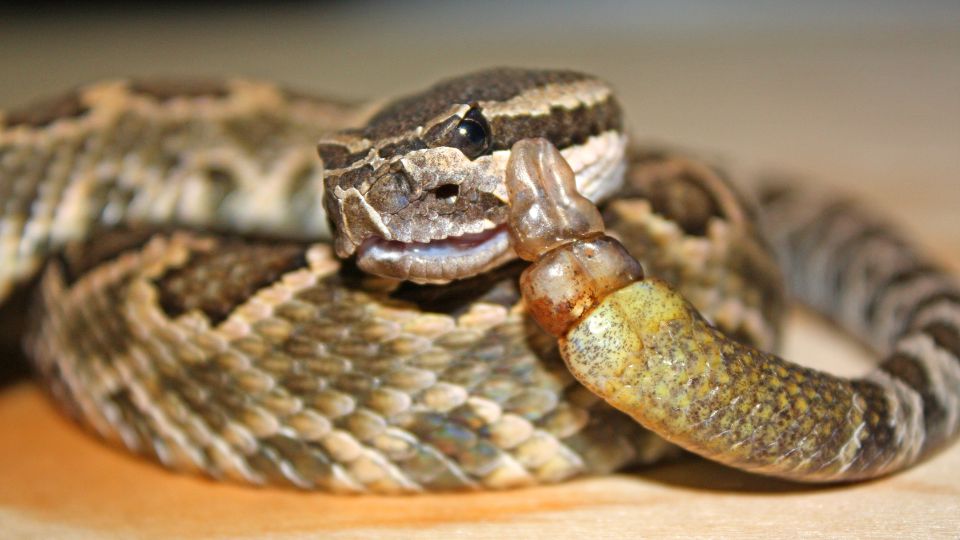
[[360, 200]]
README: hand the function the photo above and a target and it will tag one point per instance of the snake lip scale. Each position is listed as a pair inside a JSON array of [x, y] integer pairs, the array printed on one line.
[[437, 260]]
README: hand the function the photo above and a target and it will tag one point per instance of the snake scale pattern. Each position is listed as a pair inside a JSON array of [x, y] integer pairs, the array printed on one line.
[[195, 306]]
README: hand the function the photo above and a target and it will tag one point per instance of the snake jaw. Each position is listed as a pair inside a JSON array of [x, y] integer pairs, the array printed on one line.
[[445, 222], [438, 261]]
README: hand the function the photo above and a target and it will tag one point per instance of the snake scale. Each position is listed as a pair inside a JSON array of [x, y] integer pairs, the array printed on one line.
[[194, 305]]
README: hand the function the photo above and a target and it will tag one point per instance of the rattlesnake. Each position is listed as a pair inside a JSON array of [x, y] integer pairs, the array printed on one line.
[[196, 307]]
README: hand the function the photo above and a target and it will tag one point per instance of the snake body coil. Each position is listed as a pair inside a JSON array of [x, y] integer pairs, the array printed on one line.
[[240, 346]]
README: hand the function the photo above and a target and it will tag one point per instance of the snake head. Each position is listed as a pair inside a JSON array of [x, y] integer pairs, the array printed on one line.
[[418, 193]]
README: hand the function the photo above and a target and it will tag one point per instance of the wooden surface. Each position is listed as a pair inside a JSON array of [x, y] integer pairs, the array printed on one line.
[[853, 100]]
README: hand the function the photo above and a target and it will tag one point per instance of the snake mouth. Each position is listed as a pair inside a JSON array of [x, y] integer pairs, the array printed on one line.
[[437, 261]]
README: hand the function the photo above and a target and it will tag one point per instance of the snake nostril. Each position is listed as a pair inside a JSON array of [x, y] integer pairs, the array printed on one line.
[[447, 192]]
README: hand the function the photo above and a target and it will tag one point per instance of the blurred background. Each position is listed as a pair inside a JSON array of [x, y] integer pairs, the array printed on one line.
[[864, 94]]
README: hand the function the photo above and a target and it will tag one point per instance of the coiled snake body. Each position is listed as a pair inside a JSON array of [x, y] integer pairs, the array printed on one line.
[[192, 308]]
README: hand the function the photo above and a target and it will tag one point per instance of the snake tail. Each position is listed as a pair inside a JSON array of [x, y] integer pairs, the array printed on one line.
[[645, 350]]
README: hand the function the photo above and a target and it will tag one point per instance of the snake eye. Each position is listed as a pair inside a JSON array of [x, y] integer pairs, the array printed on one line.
[[472, 136]]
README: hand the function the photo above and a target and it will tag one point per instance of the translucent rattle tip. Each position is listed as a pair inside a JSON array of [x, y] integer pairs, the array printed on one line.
[[546, 210]]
